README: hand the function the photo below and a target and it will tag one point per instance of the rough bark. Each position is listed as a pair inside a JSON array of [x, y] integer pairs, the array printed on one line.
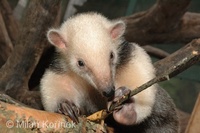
[[7, 99], [22, 119], [166, 21], [12, 25], [183, 120], [8, 31], [6, 45], [187, 56], [17, 70], [155, 51], [193, 124]]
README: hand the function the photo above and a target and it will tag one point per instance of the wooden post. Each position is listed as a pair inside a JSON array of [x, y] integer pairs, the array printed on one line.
[[194, 122]]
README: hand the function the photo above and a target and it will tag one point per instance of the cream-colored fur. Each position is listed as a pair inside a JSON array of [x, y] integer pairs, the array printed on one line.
[[137, 72], [56, 88], [88, 36]]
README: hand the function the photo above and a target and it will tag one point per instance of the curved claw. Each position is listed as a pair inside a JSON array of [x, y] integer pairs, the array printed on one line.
[[120, 93], [69, 109]]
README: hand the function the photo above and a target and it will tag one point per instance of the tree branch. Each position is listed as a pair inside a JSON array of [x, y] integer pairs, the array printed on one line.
[[18, 119], [16, 72], [185, 57], [161, 25], [9, 30], [6, 46], [12, 25], [7, 99], [155, 51]]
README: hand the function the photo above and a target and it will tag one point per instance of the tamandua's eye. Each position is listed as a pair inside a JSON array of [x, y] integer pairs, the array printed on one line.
[[81, 63], [111, 55]]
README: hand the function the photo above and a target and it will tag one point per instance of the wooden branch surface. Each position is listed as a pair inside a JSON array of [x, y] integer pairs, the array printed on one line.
[[7, 99], [186, 57], [159, 53], [6, 46], [16, 72], [161, 25], [12, 25], [9, 30], [18, 119], [193, 125]]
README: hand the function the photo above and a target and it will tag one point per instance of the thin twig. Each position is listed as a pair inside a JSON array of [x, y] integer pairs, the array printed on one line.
[[7, 99]]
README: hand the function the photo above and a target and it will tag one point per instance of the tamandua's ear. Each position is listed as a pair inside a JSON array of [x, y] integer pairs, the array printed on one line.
[[118, 29], [55, 38]]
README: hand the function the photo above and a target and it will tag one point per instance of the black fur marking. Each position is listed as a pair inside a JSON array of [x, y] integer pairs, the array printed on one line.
[[124, 54], [58, 63]]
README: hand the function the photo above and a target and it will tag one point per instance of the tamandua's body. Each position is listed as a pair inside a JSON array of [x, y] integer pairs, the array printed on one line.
[[93, 60]]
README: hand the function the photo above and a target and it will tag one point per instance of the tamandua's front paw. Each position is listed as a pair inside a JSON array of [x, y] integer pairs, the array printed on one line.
[[124, 114], [69, 109]]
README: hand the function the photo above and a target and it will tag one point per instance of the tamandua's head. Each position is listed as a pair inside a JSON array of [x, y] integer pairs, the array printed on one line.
[[89, 43]]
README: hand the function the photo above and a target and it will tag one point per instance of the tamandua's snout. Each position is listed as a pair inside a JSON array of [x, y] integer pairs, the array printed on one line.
[[109, 92]]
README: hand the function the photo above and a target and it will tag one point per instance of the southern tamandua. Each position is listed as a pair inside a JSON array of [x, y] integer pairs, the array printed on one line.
[[92, 60]]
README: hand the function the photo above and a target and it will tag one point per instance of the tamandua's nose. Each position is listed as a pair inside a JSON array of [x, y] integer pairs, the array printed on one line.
[[109, 92]]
